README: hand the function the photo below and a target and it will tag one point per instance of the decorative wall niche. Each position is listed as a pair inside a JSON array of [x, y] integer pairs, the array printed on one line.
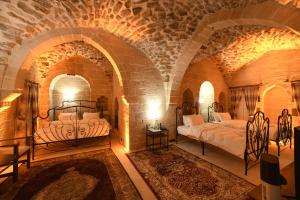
[[68, 87]]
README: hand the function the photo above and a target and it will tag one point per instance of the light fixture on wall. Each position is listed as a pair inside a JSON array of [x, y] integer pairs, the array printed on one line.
[[69, 94]]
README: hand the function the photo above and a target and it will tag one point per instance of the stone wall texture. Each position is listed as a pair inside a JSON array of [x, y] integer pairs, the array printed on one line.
[[295, 3], [149, 42], [158, 28], [233, 47], [51, 57]]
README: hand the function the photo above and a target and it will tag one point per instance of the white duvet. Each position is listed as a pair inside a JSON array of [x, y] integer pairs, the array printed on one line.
[[236, 123], [242, 124], [71, 129], [230, 139]]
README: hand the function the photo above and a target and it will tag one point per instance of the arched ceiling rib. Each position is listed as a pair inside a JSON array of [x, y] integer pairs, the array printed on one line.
[[158, 28], [233, 47], [295, 3], [67, 50]]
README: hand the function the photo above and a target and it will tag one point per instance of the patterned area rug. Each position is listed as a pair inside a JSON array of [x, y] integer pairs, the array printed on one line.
[[93, 175], [176, 174]]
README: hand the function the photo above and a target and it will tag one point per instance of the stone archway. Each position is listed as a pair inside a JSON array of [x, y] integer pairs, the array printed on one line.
[[136, 89], [266, 13]]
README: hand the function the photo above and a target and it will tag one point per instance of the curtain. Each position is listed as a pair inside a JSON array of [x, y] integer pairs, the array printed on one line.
[[251, 94], [32, 104], [236, 95], [32, 98], [296, 93]]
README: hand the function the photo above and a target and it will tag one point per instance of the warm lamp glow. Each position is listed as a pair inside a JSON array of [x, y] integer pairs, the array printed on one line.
[[69, 94], [126, 123], [154, 109]]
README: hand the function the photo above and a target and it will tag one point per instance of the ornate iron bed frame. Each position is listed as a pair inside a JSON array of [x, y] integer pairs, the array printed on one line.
[[257, 132], [257, 137], [214, 107], [77, 108], [284, 129]]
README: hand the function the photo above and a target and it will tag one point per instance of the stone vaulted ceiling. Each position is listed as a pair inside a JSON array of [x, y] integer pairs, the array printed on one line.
[[67, 50], [159, 28], [233, 47]]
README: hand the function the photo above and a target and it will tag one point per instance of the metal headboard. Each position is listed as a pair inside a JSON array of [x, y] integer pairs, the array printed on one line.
[[214, 107], [284, 129], [257, 137], [187, 108]]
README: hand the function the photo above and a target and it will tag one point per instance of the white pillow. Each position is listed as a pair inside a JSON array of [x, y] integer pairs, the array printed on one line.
[[224, 116], [186, 121], [67, 116], [195, 120], [216, 117], [87, 115]]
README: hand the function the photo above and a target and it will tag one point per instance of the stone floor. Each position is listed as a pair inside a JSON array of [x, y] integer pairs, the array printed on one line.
[[212, 154]]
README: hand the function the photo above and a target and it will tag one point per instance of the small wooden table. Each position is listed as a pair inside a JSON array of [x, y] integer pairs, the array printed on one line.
[[287, 191], [160, 133]]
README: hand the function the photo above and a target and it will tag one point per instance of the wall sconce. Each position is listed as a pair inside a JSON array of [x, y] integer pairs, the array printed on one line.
[[69, 94]]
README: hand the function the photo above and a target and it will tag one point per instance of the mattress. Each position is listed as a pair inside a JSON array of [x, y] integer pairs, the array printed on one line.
[[230, 139], [183, 130], [71, 129], [242, 124]]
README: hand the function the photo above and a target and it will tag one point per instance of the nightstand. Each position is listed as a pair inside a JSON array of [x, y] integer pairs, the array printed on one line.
[[161, 134]]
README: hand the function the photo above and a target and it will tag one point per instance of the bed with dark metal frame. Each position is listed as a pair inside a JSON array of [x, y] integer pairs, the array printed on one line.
[[284, 130], [78, 107], [256, 133]]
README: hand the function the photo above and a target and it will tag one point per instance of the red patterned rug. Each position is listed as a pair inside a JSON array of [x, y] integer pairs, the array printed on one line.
[[86, 176], [176, 174]]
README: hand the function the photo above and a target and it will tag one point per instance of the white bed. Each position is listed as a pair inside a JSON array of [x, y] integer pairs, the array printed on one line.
[[242, 124], [62, 130], [230, 139], [231, 136]]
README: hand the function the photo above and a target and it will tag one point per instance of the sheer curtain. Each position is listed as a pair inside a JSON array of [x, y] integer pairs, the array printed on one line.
[[251, 98], [296, 91], [236, 95]]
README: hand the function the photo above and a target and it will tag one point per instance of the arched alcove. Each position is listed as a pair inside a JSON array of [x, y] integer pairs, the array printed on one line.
[[273, 107], [206, 97], [67, 88], [188, 96], [116, 114], [222, 99]]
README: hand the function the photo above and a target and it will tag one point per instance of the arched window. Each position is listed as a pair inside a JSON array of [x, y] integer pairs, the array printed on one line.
[[206, 97]]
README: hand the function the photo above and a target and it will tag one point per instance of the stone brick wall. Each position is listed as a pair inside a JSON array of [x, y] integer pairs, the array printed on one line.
[[148, 36], [8, 121], [276, 68], [202, 71], [158, 28], [233, 47], [68, 87], [52, 56]]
